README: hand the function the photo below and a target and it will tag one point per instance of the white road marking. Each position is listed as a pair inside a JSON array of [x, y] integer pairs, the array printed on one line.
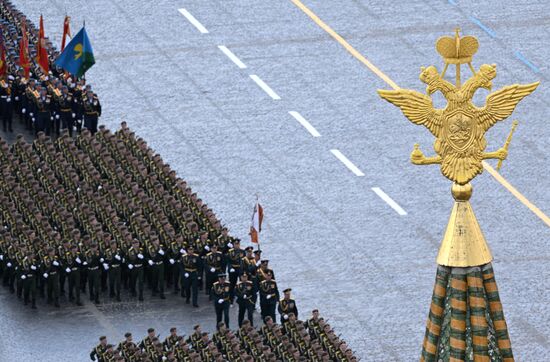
[[389, 201], [347, 162], [193, 21], [232, 56], [305, 123], [265, 87]]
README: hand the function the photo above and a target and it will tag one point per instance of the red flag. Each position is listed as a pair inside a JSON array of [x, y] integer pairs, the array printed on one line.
[[3, 65], [42, 57], [24, 61], [66, 31], [256, 227]]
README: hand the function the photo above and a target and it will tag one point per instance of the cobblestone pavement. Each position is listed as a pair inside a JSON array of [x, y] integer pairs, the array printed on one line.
[[331, 238]]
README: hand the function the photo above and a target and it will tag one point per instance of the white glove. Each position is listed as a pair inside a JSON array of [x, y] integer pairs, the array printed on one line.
[[68, 270], [55, 263], [220, 301], [85, 263], [258, 263], [33, 267], [16, 98], [285, 316], [95, 103], [186, 275], [101, 260], [78, 260], [51, 118], [140, 256], [244, 296], [150, 262], [172, 261], [130, 266], [45, 275], [8, 264], [182, 251], [32, 115], [8, 100], [161, 252], [231, 270], [106, 266], [268, 296], [57, 116], [23, 111], [74, 115], [207, 248], [212, 270], [230, 245], [117, 257], [23, 277], [1, 257]]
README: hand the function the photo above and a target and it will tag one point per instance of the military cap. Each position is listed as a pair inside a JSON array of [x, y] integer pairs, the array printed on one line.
[[257, 252], [221, 275], [173, 329], [197, 326], [287, 290], [248, 248], [265, 261], [150, 330], [102, 338]]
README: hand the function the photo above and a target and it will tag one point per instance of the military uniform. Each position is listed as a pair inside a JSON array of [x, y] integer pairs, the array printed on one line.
[[214, 264], [246, 299], [190, 264], [29, 269], [113, 261], [91, 109], [6, 104], [287, 306], [221, 297], [43, 106], [93, 263], [73, 265], [66, 104], [51, 268], [234, 266], [135, 260], [269, 294], [156, 263]]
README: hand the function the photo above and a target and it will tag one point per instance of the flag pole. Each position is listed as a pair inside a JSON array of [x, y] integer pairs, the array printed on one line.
[[257, 210]]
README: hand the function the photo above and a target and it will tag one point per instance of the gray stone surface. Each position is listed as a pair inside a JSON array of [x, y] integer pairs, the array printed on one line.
[[340, 247]]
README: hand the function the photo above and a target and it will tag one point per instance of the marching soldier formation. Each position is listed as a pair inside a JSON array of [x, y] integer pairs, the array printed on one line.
[[43, 102], [293, 341]]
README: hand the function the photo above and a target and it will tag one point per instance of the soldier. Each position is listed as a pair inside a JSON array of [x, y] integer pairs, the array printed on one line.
[[43, 105], [246, 299], [63, 251], [29, 270], [171, 340], [73, 263], [6, 102], [66, 109], [93, 262], [202, 248], [114, 257], [91, 109], [175, 253], [263, 270], [214, 266], [234, 264], [220, 295], [135, 266], [156, 262], [29, 103], [190, 267], [269, 295], [125, 347], [51, 269], [287, 306], [99, 350], [146, 344], [195, 337]]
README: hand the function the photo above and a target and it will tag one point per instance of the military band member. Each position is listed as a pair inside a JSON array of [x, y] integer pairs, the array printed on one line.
[[51, 268], [156, 263], [287, 306], [246, 299], [135, 264], [73, 264], [99, 350], [221, 297], [91, 109], [214, 265], [269, 295], [93, 263], [190, 265]]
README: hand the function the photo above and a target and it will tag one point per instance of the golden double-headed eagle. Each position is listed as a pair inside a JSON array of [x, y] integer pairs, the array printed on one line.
[[460, 127]]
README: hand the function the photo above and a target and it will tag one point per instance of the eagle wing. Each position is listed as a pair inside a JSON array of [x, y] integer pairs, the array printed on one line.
[[500, 104], [417, 107]]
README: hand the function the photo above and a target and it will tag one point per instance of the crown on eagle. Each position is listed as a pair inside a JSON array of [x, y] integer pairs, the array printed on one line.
[[457, 50]]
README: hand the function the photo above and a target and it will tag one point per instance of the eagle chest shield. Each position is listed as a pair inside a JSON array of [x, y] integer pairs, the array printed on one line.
[[459, 130]]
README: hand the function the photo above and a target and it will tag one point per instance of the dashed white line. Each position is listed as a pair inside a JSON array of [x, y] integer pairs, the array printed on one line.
[[193, 21], [305, 123], [389, 201], [347, 162], [232, 56], [265, 87]]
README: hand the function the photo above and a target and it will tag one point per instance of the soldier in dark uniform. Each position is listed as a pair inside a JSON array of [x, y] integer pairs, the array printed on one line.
[[214, 265], [66, 109], [51, 267], [234, 265], [99, 350], [114, 257], [202, 248], [29, 270], [221, 296], [269, 295], [190, 265], [171, 340], [156, 263], [91, 109], [63, 251], [246, 299], [43, 106], [174, 255], [29, 103], [93, 262], [126, 347], [73, 263], [135, 266], [6, 103], [287, 306]]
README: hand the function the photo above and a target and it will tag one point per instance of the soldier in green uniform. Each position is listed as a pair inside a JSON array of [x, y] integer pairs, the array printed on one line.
[[190, 265], [174, 258], [221, 297], [246, 299], [287, 306], [114, 257], [135, 266], [171, 340], [214, 265], [29, 270], [156, 263], [93, 263], [269, 295], [234, 265], [51, 268], [73, 264]]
